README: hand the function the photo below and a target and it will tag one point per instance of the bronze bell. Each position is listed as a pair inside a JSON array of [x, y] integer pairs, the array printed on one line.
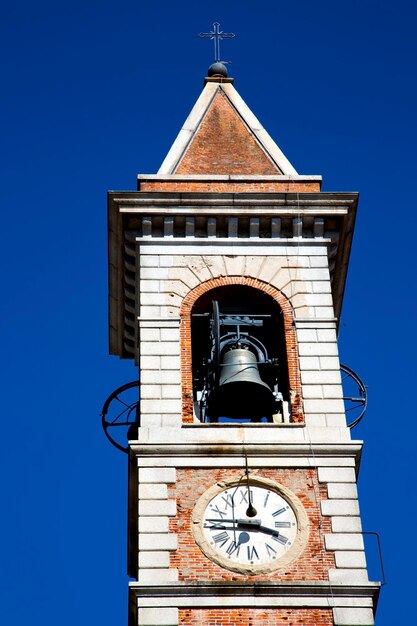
[[241, 393]]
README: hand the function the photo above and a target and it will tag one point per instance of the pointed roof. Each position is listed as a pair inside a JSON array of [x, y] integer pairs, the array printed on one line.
[[222, 136]]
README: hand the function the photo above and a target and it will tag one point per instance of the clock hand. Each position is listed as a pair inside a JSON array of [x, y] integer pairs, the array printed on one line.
[[256, 525], [249, 522], [250, 511]]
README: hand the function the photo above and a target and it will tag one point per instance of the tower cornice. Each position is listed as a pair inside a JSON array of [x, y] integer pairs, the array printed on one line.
[[169, 219]]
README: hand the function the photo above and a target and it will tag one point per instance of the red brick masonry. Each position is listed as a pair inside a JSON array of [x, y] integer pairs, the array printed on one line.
[[313, 564], [182, 186], [255, 617], [224, 145]]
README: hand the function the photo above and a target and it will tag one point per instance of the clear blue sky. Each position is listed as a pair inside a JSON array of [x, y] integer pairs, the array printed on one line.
[[94, 93]]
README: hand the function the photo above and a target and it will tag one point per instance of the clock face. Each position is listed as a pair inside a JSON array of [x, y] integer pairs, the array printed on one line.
[[251, 529]]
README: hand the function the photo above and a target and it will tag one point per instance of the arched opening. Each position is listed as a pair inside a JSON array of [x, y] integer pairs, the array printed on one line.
[[239, 356]]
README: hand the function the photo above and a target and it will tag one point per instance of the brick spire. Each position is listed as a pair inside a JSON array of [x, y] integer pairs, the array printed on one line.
[[222, 136], [224, 145]]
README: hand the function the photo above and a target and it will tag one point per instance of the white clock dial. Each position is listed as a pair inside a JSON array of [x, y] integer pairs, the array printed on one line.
[[249, 528]]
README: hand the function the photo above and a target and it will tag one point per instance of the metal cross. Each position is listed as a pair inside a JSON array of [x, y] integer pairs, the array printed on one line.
[[217, 34]]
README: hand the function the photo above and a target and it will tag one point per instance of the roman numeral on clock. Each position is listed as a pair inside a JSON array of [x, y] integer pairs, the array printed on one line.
[[234, 547], [214, 525], [271, 551], [282, 524], [218, 511], [252, 553], [229, 500], [221, 538], [279, 511], [280, 538], [244, 496]]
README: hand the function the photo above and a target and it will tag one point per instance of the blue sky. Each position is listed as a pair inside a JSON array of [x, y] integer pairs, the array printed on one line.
[[95, 93]]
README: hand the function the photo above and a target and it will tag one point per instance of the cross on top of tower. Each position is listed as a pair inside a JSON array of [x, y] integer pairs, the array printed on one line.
[[216, 34]]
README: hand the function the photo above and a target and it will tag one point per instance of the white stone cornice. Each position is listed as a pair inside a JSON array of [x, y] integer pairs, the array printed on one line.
[[229, 449], [239, 178], [274, 594]]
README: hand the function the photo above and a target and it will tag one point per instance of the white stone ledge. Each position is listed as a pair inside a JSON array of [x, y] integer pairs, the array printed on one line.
[[309, 363], [171, 391], [150, 392], [336, 475], [346, 524], [339, 507], [312, 392], [150, 363], [346, 491], [319, 299], [170, 334], [200, 601], [353, 617], [152, 273], [344, 541], [314, 274], [169, 377], [157, 474], [150, 310], [171, 420], [350, 558], [157, 616], [329, 363], [157, 576], [326, 335], [170, 362], [322, 391], [151, 421], [149, 286], [153, 524], [156, 541], [158, 322], [323, 311], [149, 261], [247, 245], [337, 420], [160, 406], [150, 334], [162, 177], [317, 349], [255, 462], [324, 406], [153, 559], [315, 421], [348, 576], [157, 507], [333, 391], [327, 322], [322, 286], [153, 491], [319, 261], [165, 348], [306, 335], [335, 430]]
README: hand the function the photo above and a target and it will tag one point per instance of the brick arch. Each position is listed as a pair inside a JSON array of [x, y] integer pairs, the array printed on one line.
[[290, 340]]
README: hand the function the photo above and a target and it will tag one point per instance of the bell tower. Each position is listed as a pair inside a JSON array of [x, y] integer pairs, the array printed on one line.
[[226, 271]]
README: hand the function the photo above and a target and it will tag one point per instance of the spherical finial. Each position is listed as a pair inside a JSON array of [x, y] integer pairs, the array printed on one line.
[[217, 69]]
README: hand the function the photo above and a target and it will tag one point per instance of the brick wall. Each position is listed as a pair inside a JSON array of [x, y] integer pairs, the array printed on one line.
[[224, 145], [256, 617], [193, 565]]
